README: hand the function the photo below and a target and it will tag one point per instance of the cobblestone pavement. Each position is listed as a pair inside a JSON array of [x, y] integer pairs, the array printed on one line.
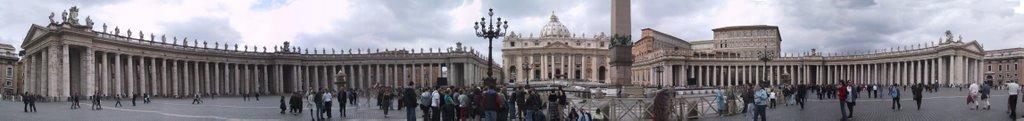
[[945, 105], [949, 104], [221, 108]]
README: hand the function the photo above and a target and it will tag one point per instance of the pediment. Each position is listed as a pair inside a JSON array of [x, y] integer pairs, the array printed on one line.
[[973, 46]]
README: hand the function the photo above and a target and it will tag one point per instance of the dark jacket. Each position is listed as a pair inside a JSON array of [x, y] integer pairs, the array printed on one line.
[[917, 92], [410, 97], [533, 102]]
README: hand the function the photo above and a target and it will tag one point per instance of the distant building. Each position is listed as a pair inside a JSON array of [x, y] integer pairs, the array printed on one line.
[[8, 69], [1004, 65], [556, 54]]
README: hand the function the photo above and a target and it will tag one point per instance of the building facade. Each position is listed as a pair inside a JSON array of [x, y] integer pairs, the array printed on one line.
[[8, 70], [1004, 65], [65, 58], [556, 54], [949, 62]]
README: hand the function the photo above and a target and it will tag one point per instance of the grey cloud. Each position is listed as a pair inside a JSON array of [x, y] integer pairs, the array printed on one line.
[[206, 29]]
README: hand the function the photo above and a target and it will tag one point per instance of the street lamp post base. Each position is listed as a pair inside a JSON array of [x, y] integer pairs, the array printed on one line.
[[488, 81]]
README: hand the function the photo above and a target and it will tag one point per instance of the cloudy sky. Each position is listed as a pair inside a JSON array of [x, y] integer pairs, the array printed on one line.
[[828, 25]]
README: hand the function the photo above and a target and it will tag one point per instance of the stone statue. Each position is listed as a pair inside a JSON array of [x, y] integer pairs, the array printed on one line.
[[152, 37], [350, 51], [961, 38], [358, 51], [236, 46], [323, 50], [307, 50], [275, 48], [332, 51], [175, 40], [285, 47], [142, 36], [117, 31], [73, 16], [88, 21], [949, 36], [163, 38], [216, 45], [104, 27], [184, 42], [129, 34], [195, 42], [264, 48], [51, 19], [204, 44], [64, 17], [246, 47], [225, 46]]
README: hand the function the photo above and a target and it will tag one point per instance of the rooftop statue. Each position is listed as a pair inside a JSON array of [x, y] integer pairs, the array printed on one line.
[[51, 19], [88, 21], [117, 31], [73, 16]]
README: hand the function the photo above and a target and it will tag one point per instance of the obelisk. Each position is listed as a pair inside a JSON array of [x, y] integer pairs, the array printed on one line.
[[620, 46]]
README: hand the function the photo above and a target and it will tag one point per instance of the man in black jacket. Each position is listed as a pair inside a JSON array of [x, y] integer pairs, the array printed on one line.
[[342, 96], [409, 96], [532, 103]]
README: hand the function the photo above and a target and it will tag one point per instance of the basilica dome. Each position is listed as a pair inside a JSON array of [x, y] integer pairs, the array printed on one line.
[[554, 29]]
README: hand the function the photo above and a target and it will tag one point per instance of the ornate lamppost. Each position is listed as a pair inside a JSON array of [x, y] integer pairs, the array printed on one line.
[[489, 32], [658, 69], [765, 57]]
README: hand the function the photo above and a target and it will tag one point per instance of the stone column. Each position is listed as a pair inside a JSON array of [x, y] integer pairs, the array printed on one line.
[[104, 73]]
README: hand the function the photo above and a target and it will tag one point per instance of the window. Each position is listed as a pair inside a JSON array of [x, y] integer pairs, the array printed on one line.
[[10, 72], [513, 44], [989, 68]]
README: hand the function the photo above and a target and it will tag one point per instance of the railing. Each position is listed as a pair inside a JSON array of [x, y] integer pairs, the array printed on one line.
[[630, 109]]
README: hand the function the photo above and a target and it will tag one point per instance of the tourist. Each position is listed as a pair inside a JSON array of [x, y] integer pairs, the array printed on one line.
[[851, 100], [771, 96], [894, 91], [533, 103], [26, 99], [425, 103], [134, 96], [282, 105], [74, 102], [1013, 88], [801, 95], [491, 102], [195, 99], [599, 115], [721, 100], [296, 103], [917, 94], [985, 89], [761, 102], [318, 101], [117, 98], [312, 104], [435, 109], [327, 102], [245, 96], [842, 99], [342, 95], [463, 100], [96, 105], [409, 94], [352, 98], [257, 96], [516, 100]]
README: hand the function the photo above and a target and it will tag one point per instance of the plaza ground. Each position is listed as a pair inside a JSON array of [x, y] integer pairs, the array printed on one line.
[[947, 105]]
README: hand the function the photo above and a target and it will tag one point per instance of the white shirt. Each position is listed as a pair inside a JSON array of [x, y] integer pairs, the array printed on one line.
[[435, 99], [1014, 88], [327, 97], [974, 88]]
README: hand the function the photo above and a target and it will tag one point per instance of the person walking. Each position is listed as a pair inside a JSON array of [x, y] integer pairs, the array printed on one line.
[[409, 94], [118, 100], [801, 95], [1014, 89], [74, 102], [385, 101], [134, 97], [318, 101], [195, 99], [312, 104], [985, 89], [342, 95], [533, 103], [26, 99], [973, 99], [327, 102], [257, 96], [282, 105], [96, 105], [894, 91], [917, 94], [842, 99], [435, 101], [851, 100], [760, 103]]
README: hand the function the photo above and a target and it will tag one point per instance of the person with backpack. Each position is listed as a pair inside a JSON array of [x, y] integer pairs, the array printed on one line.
[[894, 91], [491, 103], [760, 102], [986, 88]]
